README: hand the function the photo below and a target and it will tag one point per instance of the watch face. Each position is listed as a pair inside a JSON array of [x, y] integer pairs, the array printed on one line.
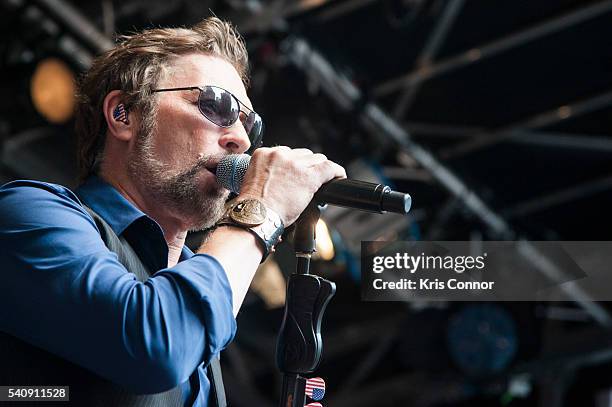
[[249, 212]]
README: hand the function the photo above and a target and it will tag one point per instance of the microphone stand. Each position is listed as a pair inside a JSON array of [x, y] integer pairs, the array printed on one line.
[[300, 345]]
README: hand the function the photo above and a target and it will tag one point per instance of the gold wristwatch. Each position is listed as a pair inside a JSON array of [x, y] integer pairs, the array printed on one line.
[[251, 214]]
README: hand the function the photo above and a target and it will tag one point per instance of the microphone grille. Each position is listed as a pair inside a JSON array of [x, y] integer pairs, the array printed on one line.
[[231, 169]]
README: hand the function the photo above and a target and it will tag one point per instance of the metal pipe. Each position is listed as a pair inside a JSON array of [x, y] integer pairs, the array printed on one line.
[[573, 141], [78, 24], [440, 130], [274, 14], [560, 197], [548, 118], [494, 47], [339, 9], [431, 48]]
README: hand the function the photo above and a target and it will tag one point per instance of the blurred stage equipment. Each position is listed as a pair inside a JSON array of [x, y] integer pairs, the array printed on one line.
[[52, 89], [269, 284], [402, 13], [482, 339], [349, 97], [325, 245]]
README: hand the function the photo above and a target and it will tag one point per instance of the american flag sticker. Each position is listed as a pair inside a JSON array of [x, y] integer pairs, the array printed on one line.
[[315, 389], [314, 405], [119, 113]]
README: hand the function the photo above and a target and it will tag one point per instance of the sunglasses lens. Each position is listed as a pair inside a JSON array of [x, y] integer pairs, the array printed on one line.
[[254, 128], [219, 106], [222, 108]]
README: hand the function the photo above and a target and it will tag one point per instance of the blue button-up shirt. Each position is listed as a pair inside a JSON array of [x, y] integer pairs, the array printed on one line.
[[64, 291]]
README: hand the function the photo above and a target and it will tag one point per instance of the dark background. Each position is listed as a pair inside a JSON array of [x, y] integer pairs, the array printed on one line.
[[496, 118]]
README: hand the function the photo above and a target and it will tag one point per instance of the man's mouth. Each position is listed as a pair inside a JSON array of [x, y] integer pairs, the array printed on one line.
[[212, 166], [211, 163]]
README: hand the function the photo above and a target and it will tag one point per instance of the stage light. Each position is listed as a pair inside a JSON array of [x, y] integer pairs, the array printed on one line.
[[325, 246], [52, 89], [269, 284], [310, 4]]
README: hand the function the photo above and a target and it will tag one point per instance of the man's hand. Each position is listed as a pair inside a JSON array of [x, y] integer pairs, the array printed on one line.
[[286, 180]]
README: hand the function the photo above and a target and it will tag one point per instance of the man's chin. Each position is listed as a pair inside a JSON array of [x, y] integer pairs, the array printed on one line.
[[215, 190], [208, 214], [212, 206]]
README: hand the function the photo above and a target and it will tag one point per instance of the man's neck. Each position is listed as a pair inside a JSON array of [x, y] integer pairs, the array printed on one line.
[[174, 228]]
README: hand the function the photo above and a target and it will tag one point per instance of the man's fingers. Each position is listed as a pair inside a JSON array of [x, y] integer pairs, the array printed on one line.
[[302, 152], [329, 170], [317, 159], [339, 170], [324, 169], [295, 173]]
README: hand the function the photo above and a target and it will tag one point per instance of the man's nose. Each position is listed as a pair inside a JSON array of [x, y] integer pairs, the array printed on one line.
[[235, 139]]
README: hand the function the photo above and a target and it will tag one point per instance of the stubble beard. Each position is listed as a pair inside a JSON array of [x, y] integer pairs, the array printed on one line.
[[177, 189]]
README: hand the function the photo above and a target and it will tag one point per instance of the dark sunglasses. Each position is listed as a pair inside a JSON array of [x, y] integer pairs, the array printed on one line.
[[223, 109]]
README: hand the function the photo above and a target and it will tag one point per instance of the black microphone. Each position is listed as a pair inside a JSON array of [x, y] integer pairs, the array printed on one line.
[[365, 196]]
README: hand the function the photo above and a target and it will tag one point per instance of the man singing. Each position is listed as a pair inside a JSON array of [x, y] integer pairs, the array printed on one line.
[[98, 291]]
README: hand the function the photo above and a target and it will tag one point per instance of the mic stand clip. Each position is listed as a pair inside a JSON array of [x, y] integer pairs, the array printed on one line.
[[299, 346]]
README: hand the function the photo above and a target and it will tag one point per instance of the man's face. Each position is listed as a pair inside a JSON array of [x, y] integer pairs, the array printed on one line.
[[175, 159]]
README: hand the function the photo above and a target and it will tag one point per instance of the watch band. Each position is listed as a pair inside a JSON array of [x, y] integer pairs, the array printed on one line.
[[268, 232]]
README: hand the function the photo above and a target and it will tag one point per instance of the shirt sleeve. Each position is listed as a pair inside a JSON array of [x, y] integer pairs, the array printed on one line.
[[68, 294]]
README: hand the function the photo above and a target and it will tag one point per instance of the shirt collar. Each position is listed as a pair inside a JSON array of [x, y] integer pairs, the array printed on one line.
[[186, 253], [107, 202]]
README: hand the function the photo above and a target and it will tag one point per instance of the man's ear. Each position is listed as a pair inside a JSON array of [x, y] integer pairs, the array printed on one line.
[[118, 117]]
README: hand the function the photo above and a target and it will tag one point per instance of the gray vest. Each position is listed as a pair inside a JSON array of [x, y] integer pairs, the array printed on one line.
[[24, 364]]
